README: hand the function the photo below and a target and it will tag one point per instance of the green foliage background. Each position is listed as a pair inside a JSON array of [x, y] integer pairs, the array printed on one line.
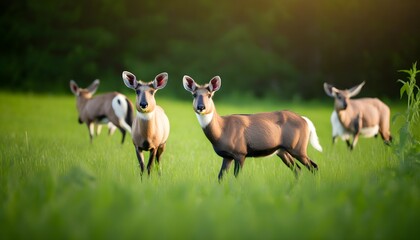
[[277, 48], [408, 146]]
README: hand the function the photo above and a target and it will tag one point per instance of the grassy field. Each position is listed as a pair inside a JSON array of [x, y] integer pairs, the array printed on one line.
[[54, 184]]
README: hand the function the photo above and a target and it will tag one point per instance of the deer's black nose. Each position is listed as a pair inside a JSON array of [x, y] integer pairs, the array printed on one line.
[[201, 107], [143, 105]]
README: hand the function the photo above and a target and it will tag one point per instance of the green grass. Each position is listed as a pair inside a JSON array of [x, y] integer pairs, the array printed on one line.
[[55, 184]]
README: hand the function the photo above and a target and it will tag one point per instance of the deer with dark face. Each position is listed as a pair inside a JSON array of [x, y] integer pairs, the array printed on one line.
[[111, 108], [235, 137], [353, 117], [151, 125]]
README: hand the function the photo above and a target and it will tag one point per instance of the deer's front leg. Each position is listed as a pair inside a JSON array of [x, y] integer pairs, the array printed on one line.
[[140, 158], [357, 126], [225, 167], [91, 128], [151, 160]]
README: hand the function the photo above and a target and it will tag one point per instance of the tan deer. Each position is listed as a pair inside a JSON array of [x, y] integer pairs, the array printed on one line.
[[111, 108], [235, 137], [354, 117], [151, 125]]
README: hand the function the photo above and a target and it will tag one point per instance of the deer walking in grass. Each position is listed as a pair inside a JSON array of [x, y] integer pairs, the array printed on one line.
[[151, 125], [235, 137], [353, 117], [111, 108]]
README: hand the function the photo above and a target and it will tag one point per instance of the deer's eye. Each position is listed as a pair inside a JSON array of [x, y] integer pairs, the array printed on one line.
[[194, 95], [138, 92]]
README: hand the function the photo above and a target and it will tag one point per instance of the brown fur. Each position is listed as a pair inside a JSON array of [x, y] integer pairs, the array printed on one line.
[[151, 125], [358, 114], [93, 110], [235, 137]]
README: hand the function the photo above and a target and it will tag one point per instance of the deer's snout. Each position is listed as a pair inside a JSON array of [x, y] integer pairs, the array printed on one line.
[[143, 105], [201, 107], [200, 104]]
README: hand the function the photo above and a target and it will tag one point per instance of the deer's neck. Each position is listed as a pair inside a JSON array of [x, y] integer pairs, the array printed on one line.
[[212, 125], [146, 122], [81, 103], [346, 117]]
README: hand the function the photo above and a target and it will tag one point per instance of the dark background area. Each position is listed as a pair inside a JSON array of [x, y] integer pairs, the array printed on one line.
[[268, 48]]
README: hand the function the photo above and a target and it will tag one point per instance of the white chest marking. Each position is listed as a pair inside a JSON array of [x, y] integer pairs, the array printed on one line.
[[204, 120], [337, 128], [145, 116]]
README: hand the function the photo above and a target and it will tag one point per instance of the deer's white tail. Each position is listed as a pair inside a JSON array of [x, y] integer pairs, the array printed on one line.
[[122, 111], [313, 138]]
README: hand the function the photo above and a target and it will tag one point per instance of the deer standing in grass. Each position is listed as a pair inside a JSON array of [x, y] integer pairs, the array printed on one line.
[[235, 137], [111, 108], [151, 125], [354, 117]]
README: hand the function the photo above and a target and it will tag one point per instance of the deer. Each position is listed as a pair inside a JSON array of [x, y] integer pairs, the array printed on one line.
[[111, 108], [151, 125], [364, 117], [237, 136]]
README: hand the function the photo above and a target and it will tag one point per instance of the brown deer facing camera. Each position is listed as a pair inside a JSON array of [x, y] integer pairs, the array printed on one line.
[[112, 108], [354, 117], [235, 137], [151, 125]]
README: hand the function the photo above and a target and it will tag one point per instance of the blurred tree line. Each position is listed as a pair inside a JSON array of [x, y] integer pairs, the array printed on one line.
[[278, 48]]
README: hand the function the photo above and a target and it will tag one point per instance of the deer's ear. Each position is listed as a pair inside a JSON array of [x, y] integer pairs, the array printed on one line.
[[74, 88], [160, 80], [356, 89], [328, 88], [94, 86], [130, 80], [215, 84], [189, 83]]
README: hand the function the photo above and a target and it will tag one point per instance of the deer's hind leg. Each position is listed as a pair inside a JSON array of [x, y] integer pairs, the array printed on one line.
[[385, 133], [159, 152], [239, 163], [302, 157], [288, 160]]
